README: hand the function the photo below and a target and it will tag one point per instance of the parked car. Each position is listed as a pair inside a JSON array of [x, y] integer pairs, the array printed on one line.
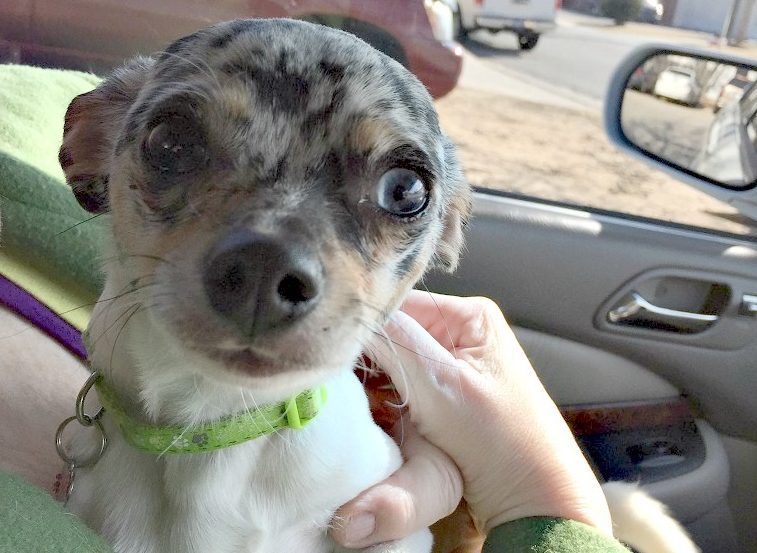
[[91, 34], [651, 11], [527, 19], [644, 78], [589, 7], [728, 153], [678, 84]]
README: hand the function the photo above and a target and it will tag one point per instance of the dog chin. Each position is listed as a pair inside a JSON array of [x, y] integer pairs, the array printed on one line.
[[251, 363], [248, 370]]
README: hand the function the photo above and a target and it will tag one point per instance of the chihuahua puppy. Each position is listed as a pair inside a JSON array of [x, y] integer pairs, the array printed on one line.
[[274, 189]]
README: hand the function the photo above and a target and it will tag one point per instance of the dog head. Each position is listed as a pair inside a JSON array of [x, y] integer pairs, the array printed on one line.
[[282, 185]]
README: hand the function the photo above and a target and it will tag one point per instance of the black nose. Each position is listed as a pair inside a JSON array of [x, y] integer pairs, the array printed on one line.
[[261, 283]]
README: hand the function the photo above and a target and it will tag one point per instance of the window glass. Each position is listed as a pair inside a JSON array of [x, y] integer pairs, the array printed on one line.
[[519, 85], [531, 122]]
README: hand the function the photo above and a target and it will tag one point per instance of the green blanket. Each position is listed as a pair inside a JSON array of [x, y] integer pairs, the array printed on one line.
[[30, 521], [48, 244]]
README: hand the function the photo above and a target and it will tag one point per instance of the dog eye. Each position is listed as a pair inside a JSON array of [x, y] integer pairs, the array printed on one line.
[[401, 192], [175, 145]]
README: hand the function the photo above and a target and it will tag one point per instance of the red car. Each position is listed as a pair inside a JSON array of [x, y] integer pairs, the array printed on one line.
[[100, 34]]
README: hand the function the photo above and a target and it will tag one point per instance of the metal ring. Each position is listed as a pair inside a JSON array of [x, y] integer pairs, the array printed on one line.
[[70, 460], [83, 418]]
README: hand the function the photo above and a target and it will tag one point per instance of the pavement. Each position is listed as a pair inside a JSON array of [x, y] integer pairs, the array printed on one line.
[[657, 32], [477, 74], [573, 64]]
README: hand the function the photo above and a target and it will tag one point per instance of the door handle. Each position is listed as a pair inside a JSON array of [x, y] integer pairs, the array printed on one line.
[[638, 311]]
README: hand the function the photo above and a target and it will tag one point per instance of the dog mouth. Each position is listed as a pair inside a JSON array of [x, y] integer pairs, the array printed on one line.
[[245, 360]]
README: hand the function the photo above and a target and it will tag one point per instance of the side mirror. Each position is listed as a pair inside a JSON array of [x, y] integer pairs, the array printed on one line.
[[693, 111]]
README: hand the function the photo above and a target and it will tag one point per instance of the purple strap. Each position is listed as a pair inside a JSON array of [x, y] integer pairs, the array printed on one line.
[[27, 306]]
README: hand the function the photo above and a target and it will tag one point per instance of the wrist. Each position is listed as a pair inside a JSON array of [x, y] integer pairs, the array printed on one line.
[[545, 488], [587, 506]]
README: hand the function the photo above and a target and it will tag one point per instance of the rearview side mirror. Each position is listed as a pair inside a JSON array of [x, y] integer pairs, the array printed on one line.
[[693, 111]]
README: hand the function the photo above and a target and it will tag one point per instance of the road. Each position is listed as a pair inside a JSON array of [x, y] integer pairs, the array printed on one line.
[[576, 59]]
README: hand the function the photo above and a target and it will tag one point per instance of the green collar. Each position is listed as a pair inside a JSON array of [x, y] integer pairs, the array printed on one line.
[[232, 430]]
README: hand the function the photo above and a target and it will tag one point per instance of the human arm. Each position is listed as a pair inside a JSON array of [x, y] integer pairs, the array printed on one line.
[[486, 426]]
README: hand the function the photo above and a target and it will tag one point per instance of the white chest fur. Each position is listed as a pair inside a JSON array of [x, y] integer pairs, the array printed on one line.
[[276, 493]]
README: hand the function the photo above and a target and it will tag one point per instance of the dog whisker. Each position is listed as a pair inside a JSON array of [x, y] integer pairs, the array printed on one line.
[[94, 342], [380, 332], [79, 223], [402, 372], [183, 88], [247, 409], [415, 352], [176, 439], [138, 308], [401, 404], [447, 330], [123, 256], [256, 406], [441, 315], [137, 288], [110, 299], [381, 311], [393, 344]]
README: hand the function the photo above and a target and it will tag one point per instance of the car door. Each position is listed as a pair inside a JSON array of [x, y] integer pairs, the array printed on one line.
[[642, 328], [631, 392]]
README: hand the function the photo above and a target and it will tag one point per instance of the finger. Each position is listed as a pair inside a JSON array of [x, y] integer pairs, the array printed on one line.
[[425, 489], [413, 359], [455, 322], [429, 309]]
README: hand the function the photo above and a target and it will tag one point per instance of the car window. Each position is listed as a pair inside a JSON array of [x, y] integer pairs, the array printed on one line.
[[538, 132], [519, 85]]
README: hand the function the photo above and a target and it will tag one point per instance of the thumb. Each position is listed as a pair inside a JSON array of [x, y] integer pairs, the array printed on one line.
[[425, 489]]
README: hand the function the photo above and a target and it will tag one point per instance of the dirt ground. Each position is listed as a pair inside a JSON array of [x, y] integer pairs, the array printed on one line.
[[563, 155]]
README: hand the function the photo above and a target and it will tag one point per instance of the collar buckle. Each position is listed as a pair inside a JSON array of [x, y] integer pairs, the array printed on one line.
[[303, 408]]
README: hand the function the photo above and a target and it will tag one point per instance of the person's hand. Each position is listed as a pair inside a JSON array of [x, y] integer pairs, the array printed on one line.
[[482, 427]]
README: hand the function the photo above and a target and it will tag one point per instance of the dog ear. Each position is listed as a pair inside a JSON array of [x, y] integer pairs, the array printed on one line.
[[92, 123], [457, 213]]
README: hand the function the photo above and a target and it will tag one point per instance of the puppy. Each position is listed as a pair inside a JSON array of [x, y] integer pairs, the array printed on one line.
[[274, 189]]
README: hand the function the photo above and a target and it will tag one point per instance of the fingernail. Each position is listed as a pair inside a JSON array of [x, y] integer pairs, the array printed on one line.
[[359, 527]]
